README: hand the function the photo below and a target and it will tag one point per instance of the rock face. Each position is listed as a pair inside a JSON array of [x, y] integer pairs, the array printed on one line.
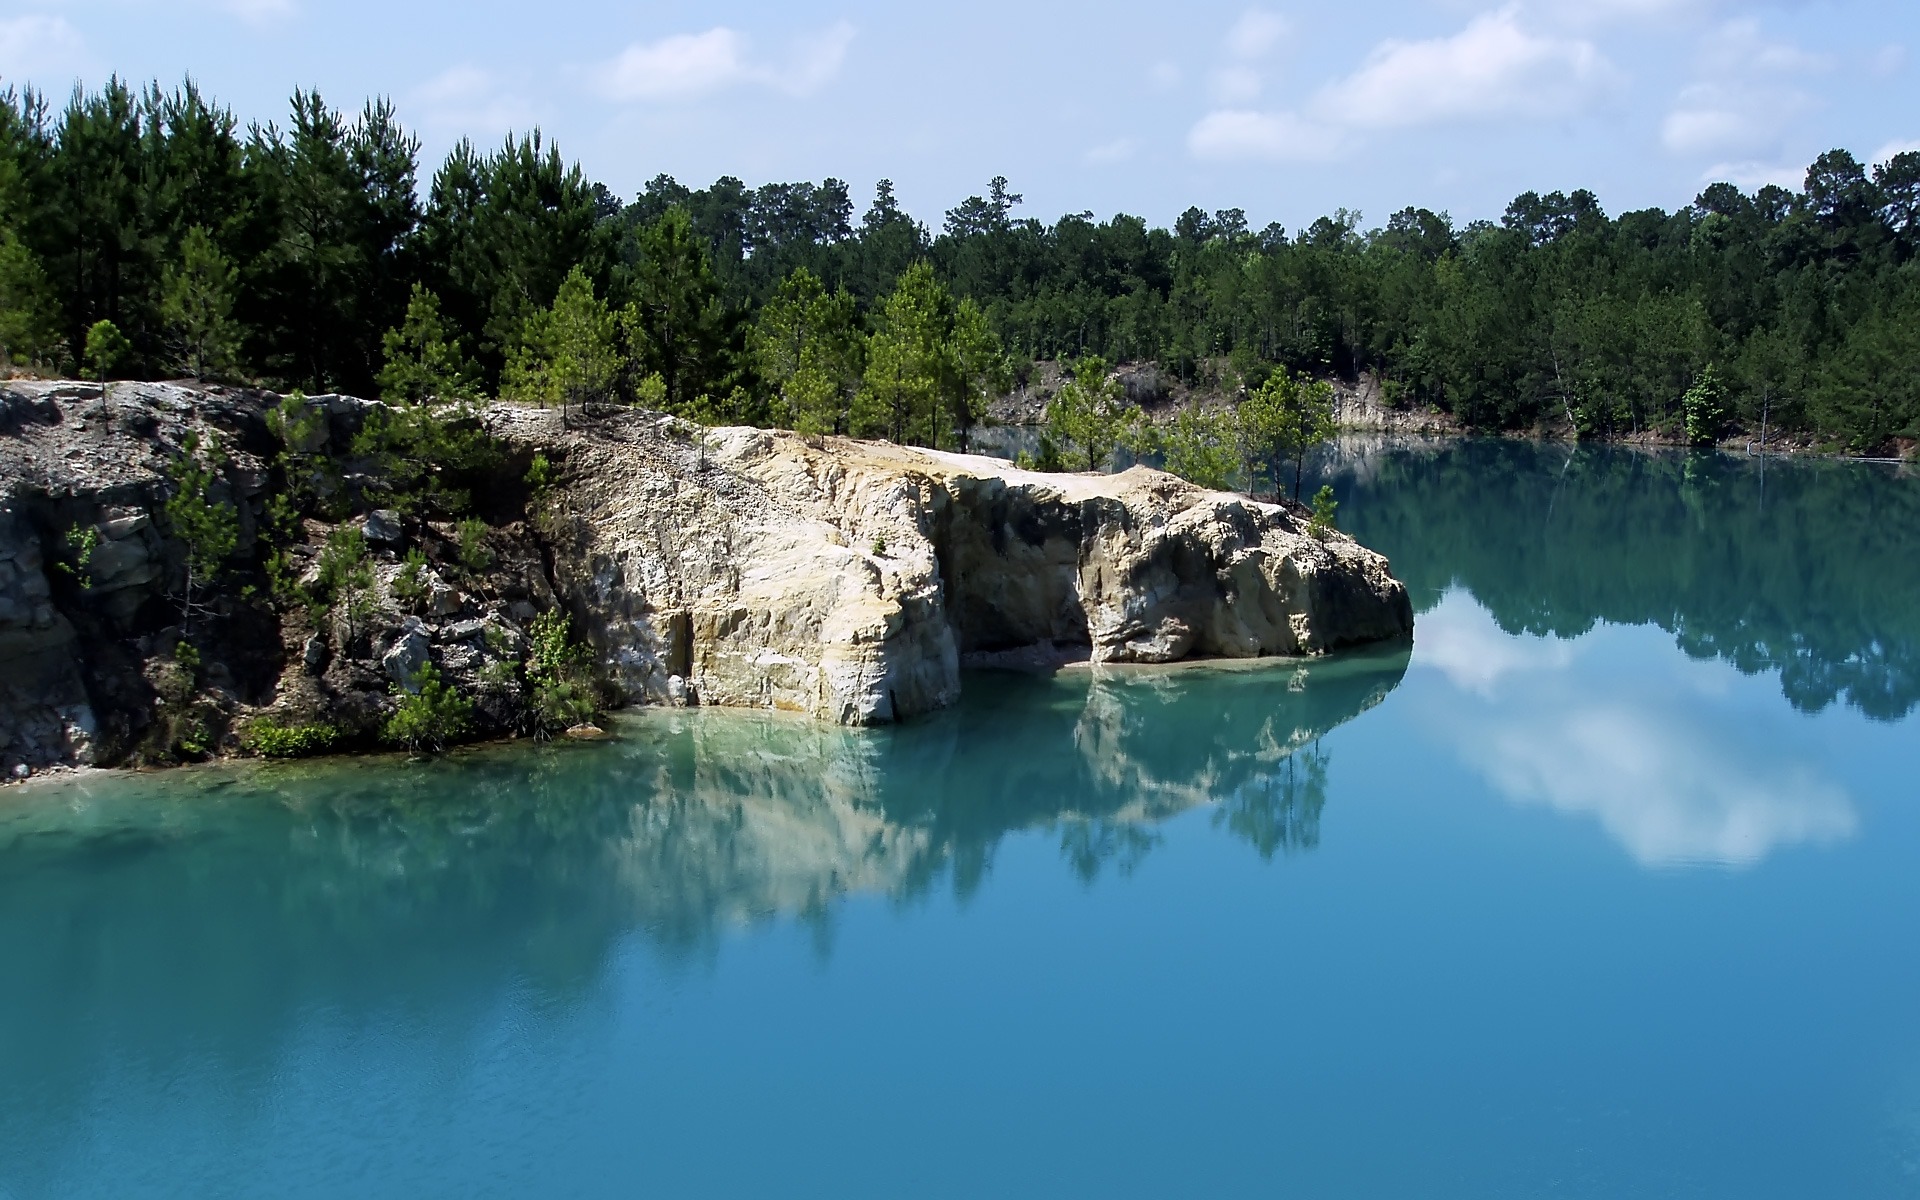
[[739, 567], [847, 579]]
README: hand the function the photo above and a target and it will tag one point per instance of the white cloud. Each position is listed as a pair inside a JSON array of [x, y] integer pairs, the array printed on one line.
[[1630, 748], [1887, 60], [1741, 104], [472, 102], [1164, 76], [1230, 134], [1891, 149], [1738, 48], [1117, 151], [1491, 68], [1664, 794], [1235, 85], [1713, 120], [1459, 639], [1751, 175], [1255, 34], [1606, 12], [46, 50], [816, 60], [686, 66]]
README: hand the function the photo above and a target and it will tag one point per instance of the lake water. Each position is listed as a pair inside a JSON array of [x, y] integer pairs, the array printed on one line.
[[1609, 887]]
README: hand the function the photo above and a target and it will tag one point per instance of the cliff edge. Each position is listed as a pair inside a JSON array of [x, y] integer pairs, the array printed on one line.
[[843, 579]]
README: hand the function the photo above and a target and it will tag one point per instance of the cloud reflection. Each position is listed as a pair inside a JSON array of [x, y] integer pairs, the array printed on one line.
[[1637, 748]]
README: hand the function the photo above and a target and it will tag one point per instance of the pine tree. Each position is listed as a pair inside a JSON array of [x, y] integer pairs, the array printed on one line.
[[569, 353], [424, 360], [196, 308], [808, 349]]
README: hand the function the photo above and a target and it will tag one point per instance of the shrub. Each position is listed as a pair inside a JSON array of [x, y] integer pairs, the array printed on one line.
[[431, 716], [1704, 408], [1324, 507], [562, 692], [407, 586], [267, 738], [82, 541], [471, 536], [346, 577]]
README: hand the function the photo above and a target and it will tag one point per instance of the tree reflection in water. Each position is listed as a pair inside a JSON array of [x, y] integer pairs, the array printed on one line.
[[230, 899], [1804, 570]]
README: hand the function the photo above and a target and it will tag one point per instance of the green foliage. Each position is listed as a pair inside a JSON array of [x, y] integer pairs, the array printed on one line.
[[29, 306], [568, 354], [1283, 419], [207, 526], [268, 738], [540, 475], [82, 541], [134, 206], [679, 321], [1199, 447], [346, 580], [424, 360], [1048, 459], [429, 455], [407, 587], [429, 717], [1089, 413], [1324, 508], [106, 349], [1704, 408], [562, 691], [931, 365], [906, 360], [179, 731], [471, 539], [196, 308], [808, 348]]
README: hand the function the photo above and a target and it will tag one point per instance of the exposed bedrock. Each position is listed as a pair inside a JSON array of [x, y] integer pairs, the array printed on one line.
[[846, 579], [733, 567]]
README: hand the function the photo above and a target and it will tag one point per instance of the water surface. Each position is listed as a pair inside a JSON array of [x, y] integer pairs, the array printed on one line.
[[1605, 887]]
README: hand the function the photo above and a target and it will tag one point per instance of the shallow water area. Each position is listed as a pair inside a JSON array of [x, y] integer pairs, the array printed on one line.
[[1604, 887]]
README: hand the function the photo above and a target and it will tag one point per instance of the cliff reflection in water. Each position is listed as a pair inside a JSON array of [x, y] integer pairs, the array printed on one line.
[[1805, 570], [226, 900]]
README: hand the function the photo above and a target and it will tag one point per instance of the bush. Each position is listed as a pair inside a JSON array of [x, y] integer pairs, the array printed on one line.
[[1324, 507], [561, 691], [267, 738], [346, 578], [408, 589], [472, 539], [430, 717]]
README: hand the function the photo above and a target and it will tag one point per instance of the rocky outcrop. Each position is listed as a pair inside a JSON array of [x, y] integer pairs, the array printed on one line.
[[736, 567], [848, 579]]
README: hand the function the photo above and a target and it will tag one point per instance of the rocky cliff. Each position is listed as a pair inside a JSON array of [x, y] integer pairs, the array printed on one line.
[[735, 567]]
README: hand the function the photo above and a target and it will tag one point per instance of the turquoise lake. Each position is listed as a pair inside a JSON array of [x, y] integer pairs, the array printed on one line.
[[1608, 886]]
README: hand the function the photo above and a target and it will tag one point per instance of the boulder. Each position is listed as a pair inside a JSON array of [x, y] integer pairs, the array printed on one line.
[[384, 527], [409, 652]]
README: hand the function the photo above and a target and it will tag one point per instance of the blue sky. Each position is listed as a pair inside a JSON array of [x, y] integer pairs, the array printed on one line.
[[1285, 110]]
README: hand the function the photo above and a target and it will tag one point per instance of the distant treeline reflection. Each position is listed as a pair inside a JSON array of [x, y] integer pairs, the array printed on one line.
[[229, 900], [1805, 569]]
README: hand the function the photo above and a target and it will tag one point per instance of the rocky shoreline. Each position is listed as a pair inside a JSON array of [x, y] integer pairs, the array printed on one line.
[[739, 567]]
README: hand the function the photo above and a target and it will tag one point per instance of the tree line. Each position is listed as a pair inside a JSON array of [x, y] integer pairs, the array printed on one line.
[[312, 255]]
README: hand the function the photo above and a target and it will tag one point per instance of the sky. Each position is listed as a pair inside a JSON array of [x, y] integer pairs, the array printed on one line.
[[1288, 110]]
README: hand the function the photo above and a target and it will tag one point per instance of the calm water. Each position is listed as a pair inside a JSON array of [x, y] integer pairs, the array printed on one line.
[[1608, 888]]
